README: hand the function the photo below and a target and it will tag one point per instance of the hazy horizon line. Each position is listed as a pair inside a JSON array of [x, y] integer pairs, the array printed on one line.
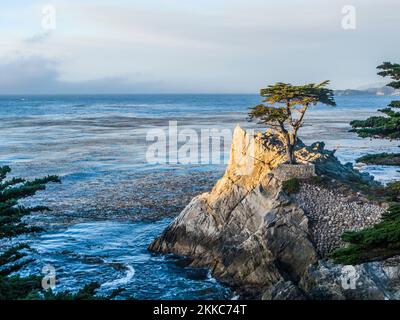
[[150, 93]]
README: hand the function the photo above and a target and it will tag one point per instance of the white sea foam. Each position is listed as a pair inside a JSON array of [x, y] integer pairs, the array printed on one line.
[[130, 273]]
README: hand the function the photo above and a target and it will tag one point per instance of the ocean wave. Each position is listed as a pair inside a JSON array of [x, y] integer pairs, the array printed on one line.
[[130, 273]]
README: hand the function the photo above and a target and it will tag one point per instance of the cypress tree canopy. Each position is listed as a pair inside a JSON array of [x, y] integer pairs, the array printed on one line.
[[387, 126], [284, 107]]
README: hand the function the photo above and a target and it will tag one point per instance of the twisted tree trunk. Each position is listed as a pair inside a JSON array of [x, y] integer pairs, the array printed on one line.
[[290, 144]]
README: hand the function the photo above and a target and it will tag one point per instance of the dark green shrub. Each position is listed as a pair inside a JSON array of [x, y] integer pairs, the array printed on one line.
[[319, 180], [291, 186], [387, 159], [375, 243]]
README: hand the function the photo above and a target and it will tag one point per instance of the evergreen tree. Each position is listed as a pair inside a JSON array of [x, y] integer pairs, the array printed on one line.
[[284, 109], [379, 241], [11, 214], [383, 239], [388, 126], [375, 243]]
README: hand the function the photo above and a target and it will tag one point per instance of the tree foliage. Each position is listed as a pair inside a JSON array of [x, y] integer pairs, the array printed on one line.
[[378, 242], [388, 125], [391, 70], [13, 190], [13, 286], [383, 239], [284, 107], [11, 225]]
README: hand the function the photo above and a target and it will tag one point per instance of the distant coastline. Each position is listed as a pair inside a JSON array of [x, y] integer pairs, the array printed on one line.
[[380, 91]]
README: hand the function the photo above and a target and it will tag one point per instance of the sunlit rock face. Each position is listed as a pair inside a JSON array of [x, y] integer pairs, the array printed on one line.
[[252, 234]]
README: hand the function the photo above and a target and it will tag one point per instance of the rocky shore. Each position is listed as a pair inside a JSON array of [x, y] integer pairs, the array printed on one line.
[[330, 213], [269, 244]]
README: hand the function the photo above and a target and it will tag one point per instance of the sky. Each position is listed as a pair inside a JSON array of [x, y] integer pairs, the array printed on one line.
[[192, 46]]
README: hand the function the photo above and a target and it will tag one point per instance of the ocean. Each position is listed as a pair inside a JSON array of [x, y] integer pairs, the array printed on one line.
[[113, 202]]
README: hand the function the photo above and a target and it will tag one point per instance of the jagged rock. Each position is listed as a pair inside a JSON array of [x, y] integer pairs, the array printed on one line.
[[368, 281], [283, 291], [248, 231]]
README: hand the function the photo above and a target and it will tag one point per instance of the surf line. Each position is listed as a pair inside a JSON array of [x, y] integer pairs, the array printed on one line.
[[130, 272]]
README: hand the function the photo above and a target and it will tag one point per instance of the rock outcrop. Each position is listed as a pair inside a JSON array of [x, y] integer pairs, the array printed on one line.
[[331, 212], [254, 236]]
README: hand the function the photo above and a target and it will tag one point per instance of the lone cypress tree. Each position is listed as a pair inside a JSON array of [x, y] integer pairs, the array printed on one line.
[[388, 126], [285, 106]]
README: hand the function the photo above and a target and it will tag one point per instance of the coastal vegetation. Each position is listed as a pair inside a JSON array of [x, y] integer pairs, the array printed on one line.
[[383, 127], [383, 239], [11, 225], [387, 126], [12, 285], [291, 186], [376, 243], [379, 241], [284, 107], [385, 159], [11, 213]]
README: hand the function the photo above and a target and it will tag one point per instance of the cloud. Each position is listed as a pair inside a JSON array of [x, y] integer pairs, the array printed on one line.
[[32, 73], [201, 46], [39, 75]]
